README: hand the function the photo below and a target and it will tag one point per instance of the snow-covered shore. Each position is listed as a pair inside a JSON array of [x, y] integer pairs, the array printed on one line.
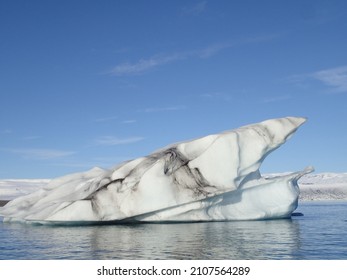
[[323, 186], [319, 186], [12, 188]]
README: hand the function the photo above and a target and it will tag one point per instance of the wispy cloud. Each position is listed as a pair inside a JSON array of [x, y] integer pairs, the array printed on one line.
[[40, 154], [212, 50], [128, 121], [163, 109], [277, 98], [106, 119], [146, 64], [336, 78], [33, 137], [217, 96], [195, 9], [113, 141]]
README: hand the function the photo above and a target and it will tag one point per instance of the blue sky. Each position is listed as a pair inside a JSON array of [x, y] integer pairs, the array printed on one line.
[[94, 83]]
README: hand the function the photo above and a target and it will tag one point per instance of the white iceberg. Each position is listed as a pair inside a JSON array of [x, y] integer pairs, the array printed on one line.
[[213, 178]]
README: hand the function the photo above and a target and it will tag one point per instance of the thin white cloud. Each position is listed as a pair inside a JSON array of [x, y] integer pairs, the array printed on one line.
[[217, 96], [162, 109], [336, 78], [277, 98], [147, 64], [212, 50], [128, 121], [195, 9], [33, 137], [113, 141], [144, 65], [40, 154]]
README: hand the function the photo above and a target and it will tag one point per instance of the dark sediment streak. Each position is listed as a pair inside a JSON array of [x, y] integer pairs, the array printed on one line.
[[3, 202]]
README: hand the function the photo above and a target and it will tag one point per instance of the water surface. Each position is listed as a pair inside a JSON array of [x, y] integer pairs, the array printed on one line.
[[319, 234]]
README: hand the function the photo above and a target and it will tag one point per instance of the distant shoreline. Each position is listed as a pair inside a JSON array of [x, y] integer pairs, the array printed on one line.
[[3, 202]]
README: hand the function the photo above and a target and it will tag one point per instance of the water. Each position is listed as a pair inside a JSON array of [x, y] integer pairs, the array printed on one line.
[[319, 234]]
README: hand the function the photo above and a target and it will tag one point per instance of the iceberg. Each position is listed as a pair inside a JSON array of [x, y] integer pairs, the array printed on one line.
[[213, 178]]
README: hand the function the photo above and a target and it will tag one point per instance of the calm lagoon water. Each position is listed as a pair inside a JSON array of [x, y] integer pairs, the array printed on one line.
[[319, 234]]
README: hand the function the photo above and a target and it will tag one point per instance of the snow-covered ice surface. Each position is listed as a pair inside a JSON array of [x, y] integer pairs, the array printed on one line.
[[211, 178]]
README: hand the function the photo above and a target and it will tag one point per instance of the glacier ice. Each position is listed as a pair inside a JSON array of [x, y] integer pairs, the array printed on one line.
[[213, 178]]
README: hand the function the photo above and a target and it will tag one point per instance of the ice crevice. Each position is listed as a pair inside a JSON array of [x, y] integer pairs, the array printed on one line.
[[213, 178]]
